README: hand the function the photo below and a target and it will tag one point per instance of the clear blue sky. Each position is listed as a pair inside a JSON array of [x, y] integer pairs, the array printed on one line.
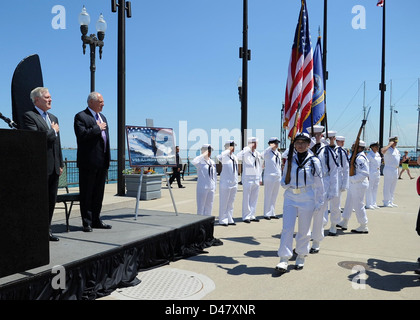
[[183, 64]]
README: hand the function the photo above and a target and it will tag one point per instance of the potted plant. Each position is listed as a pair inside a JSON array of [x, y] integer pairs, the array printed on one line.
[[151, 183]]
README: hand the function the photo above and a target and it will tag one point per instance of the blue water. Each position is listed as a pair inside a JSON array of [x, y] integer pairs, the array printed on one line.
[[72, 170], [71, 154]]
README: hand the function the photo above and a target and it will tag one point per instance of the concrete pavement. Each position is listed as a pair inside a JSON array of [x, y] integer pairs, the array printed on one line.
[[378, 265]]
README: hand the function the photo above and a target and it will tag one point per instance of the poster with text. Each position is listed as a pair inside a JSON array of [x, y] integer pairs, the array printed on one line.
[[151, 147]]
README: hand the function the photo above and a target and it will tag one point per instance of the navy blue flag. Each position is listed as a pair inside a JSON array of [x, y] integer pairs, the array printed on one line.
[[318, 99]]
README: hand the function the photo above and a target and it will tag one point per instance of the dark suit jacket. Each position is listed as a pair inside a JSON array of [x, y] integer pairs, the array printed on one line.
[[90, 144], [32, 120]]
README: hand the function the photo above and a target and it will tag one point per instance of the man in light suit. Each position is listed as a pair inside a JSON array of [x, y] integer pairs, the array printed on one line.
[[39, 119], [93, 159]]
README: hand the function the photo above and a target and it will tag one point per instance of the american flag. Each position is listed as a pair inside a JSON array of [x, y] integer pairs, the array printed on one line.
[[300, 84], [380, 3]]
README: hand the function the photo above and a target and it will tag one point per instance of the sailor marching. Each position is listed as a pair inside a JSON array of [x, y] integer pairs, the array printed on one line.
[[303, 198]]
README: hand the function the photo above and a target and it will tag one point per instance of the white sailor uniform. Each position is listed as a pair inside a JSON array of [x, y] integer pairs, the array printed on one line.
[[206, 184], [343, 185], [272, 177], [303, 197], [356, 195], [251, 178], [392, 163], [228, 186], [329, 164], [374, 177]]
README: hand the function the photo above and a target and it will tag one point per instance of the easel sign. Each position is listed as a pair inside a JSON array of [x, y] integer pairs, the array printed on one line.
[[151, 147]]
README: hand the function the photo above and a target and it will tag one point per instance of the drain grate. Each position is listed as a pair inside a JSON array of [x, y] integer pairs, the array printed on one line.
[[351, 264], [167, 284]]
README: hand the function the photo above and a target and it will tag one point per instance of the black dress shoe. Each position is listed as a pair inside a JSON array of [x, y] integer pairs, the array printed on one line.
[[87, 229], [313, 251], [53, 238], [232, 224], [101, 225], [247, 221], [342, 228], [267, 218], [182, 187], [255, 220], [275, 217]]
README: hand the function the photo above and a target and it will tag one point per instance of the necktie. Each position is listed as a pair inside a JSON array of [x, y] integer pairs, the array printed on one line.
[[256, 160], [233, 164], [102, 132], [47, 120], [277, 157], [210, 169]]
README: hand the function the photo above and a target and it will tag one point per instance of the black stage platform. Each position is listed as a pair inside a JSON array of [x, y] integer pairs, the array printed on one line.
[[97, 263]]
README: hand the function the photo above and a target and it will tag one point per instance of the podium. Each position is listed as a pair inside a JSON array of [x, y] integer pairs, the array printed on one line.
[[24, 234]]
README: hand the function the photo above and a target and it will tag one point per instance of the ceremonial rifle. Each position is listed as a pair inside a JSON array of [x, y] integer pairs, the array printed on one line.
[[356, 147], [292, 147]]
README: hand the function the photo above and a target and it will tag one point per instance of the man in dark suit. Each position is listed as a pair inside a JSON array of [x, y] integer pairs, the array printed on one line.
[[39, 119], [176, 171], [93, 159]]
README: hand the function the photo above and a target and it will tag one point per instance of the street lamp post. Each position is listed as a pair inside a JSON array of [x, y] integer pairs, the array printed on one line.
[[124, 9], [245, 55], [92, 41], [382, 85]]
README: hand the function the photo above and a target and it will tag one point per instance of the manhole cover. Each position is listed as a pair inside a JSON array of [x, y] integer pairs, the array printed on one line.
[[351, 264], [167, 284]]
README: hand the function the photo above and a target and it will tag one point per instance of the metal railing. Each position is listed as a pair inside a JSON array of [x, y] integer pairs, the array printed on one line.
[[73, 171]]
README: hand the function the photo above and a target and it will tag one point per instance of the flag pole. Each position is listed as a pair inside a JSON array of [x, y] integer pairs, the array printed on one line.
[[382, 86], [312, 114], [324, 64], [245, 55]]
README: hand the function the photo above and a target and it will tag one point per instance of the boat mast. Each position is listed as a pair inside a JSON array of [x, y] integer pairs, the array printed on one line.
[[391, 110], [418, 122]]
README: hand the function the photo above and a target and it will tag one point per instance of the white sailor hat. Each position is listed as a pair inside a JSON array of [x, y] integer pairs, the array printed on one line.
[[340, 138], [252, 139], [362, 143], [317, 129], [331, 133], [206, 147], [374, 143], [274, 140], [230, 143]]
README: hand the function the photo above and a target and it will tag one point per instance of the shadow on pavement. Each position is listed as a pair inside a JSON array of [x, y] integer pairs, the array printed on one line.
[[401, 275]]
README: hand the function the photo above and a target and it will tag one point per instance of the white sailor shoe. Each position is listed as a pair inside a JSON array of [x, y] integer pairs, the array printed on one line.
[[387, 204], [361, 229], [300, 261], [394, 205], [282, 266], [370, 207]]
